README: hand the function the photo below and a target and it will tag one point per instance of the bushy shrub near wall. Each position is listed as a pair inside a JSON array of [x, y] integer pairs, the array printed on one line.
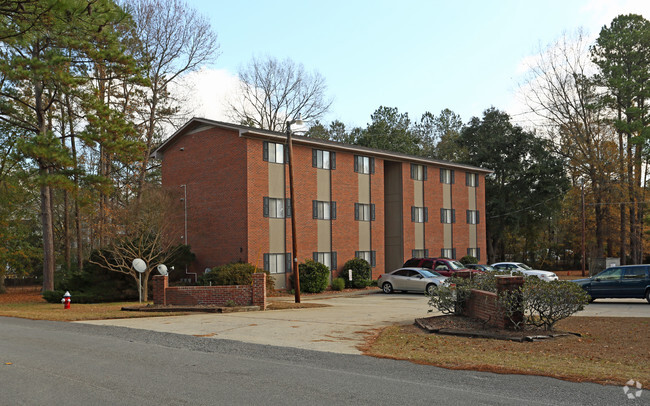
[[361, 273], [542, 303], [338, 284], [468, 259], [314, 276], [236, 273]]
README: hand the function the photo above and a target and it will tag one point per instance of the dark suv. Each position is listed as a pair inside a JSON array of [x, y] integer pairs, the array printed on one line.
[[631, 281], [444, 266]]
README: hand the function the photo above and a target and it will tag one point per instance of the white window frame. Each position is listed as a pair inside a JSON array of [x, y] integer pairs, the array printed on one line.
[[363, 164], [448, 253], [277, 263], [276, 153], [276, 208], [323, 210], [446, 176], [417, 172], [472, 217], [447, 216], [471, 179], [418, 215], [323, 159], [364, 212]]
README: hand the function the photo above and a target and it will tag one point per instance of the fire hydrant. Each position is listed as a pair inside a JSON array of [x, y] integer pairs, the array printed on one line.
[[66, 300]]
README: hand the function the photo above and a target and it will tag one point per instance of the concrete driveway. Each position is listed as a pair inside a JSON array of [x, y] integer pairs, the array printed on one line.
[[339, 328]]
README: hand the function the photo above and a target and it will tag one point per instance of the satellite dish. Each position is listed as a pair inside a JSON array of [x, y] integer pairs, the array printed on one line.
[[162, 269], [139, 265], [207, 270]]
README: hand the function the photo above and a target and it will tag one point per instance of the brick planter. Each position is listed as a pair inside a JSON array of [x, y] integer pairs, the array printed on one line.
[[241, 295], [485, 305]]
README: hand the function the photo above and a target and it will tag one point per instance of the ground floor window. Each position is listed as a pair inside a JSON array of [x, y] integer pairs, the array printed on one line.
[[448, 253], [277, 263], [474, 252], [326, 258], [419, 253], [369, 256]]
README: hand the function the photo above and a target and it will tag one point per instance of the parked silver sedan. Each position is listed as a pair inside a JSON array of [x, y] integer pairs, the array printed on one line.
[[413, 279]]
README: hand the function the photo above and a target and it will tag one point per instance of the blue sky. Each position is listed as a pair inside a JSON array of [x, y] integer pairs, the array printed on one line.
[[414, 55]]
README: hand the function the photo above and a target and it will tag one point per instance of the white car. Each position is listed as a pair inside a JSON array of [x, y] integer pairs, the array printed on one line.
[[525, 269], [413, 279]]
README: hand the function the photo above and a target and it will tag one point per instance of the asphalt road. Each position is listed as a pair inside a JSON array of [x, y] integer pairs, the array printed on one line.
[[79, 364]]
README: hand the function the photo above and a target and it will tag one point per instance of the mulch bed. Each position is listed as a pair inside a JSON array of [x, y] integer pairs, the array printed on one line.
[[468, 327]]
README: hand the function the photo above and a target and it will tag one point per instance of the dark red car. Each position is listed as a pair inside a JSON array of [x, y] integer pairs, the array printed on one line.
[[444, 266]]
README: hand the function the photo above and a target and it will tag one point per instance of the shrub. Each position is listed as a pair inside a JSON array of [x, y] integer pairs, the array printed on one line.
[[236, 273], [537, 303], [547, 303], [361, 273], [314, 276], [338, 284], [468, 259]]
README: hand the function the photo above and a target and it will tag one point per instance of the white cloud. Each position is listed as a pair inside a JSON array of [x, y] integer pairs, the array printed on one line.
[[207, 92]]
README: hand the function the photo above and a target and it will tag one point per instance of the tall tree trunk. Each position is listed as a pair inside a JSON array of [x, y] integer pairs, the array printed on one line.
[[623, 228], [48, 234], [77, 214]]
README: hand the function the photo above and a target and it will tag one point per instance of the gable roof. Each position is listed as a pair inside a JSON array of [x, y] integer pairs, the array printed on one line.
[[196, 123]]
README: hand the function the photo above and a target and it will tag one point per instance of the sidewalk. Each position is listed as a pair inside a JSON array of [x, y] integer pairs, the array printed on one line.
[[340, 327]]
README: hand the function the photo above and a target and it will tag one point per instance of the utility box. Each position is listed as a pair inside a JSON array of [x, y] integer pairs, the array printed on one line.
[[596, 265]]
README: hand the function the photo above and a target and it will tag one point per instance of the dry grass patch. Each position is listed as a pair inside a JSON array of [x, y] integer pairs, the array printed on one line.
[[277, 305], [29, 304], [612, 350]]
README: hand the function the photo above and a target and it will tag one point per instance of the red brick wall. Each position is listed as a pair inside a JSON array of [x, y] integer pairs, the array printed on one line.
[[250, 295], [482, 305], [257, 187], [213, 166]]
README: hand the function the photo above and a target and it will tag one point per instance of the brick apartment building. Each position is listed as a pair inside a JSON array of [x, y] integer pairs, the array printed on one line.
[[351, 201]]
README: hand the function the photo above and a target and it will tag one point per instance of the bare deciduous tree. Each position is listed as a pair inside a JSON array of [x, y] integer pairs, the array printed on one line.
[[272, 91], [562, 92], [141, 230], [174, 40]]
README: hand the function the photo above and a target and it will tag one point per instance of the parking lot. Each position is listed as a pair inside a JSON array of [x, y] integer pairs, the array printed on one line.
[[341, 327]]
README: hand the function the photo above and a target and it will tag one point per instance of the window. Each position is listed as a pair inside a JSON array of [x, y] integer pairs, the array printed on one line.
[[419, 254], [448, 253], [364, 212], [419, 214], [323, 210], [275, 208], [418, 172], [326, 258], [472, 217], [611, 274], [447, 216], [369, 256], [471, 179], [273, 152], [474, 252], [364, 164], [277, 263], [637, 272], [323, 159], [446, 176]]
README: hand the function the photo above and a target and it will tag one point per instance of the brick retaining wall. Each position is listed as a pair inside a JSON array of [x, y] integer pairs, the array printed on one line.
[[241, 295], [485, 305]]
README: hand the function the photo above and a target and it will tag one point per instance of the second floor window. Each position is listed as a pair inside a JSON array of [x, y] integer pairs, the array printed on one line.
[[277, 208], [323, 210], [472, 217], [419, 214], [364, 212], [447, 216], [273, 152]]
